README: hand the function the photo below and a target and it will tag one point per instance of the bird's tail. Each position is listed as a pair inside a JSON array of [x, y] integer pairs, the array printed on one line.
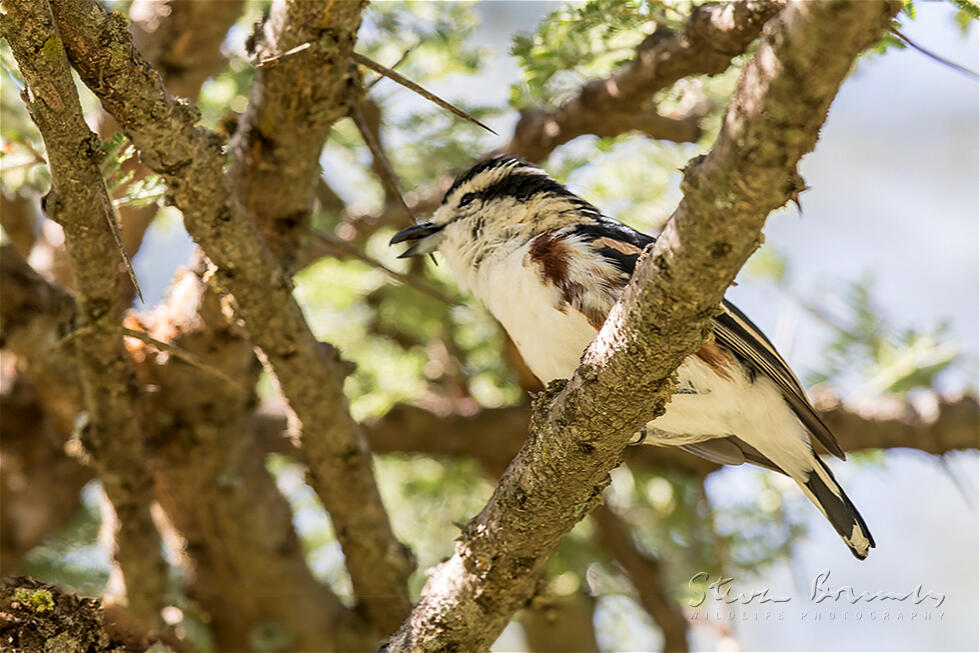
[[824, 491]]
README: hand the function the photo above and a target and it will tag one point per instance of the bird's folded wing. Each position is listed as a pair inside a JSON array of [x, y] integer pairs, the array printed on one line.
[[737, 333], [621, 246]]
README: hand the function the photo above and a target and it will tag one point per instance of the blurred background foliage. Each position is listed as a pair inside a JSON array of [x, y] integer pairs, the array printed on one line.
[[411, 347]]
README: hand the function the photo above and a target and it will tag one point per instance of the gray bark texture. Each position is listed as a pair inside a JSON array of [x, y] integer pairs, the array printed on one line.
[[189, 159], [79, 202]]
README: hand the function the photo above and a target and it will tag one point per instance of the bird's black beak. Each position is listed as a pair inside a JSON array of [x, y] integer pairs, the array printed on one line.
[[424, 235]]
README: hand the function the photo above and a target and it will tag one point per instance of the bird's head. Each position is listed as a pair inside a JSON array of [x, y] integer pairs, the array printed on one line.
[[499, 200]]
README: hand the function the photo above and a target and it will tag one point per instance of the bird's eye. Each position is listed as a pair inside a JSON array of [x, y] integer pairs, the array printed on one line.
[[466, 199]]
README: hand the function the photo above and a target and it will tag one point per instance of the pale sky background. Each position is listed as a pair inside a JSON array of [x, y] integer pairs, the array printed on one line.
[[894, 191]]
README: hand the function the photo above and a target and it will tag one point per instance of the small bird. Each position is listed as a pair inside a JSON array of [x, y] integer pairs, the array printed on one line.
[[549, 267]]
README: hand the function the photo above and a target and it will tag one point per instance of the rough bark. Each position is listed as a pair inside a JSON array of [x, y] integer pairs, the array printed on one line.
[[382, 435], [292, 104], [185, 425], [39, 617], [190, 160], [580, 429], [715, 33], [209, 476], [210, 472], [182, 40], [261, 589], [79, 202], [241, 557]]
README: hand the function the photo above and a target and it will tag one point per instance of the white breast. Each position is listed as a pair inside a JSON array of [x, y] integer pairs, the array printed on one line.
[[550, 341]]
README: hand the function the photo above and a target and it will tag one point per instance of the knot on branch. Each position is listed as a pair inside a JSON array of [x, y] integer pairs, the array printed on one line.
[[90, 149], [52, 206], [187, 111], [332, 354], [690, 180], [792, 189], [541, 401]]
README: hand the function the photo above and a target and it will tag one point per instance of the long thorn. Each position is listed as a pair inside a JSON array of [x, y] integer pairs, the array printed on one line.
[[176, 352], [110, 217], [400, 61], [431, 97], [932, 55]]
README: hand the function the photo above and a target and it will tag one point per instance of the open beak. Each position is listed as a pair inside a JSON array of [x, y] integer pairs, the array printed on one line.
[[426, 236]]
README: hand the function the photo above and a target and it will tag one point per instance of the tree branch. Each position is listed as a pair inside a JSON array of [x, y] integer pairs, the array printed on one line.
[[263, 579], [292, 104], [202, 439], [215, 489], [183, 41], [40, 617], [19, 218], [80, 203], [32, 450], [579, 429], [950, 426], [494, 436], [715, 33], [646, 574], [190, 160], [560, 624]]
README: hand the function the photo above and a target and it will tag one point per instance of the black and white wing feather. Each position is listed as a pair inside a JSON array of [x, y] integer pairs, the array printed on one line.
[[737, 333], [622, 246]]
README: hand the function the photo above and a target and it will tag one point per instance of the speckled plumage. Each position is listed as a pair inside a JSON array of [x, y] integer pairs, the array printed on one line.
[[549, 266]]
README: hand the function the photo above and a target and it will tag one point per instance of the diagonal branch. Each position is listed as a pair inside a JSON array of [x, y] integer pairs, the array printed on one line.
[[292, 105], [715, 33], [494, 436], [371, 135], [183, 41], [647, 576], [579, 429], [79, 202], [190, 160]]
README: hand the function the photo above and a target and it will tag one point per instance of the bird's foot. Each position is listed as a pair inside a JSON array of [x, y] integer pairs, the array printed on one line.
[[641, 437]]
